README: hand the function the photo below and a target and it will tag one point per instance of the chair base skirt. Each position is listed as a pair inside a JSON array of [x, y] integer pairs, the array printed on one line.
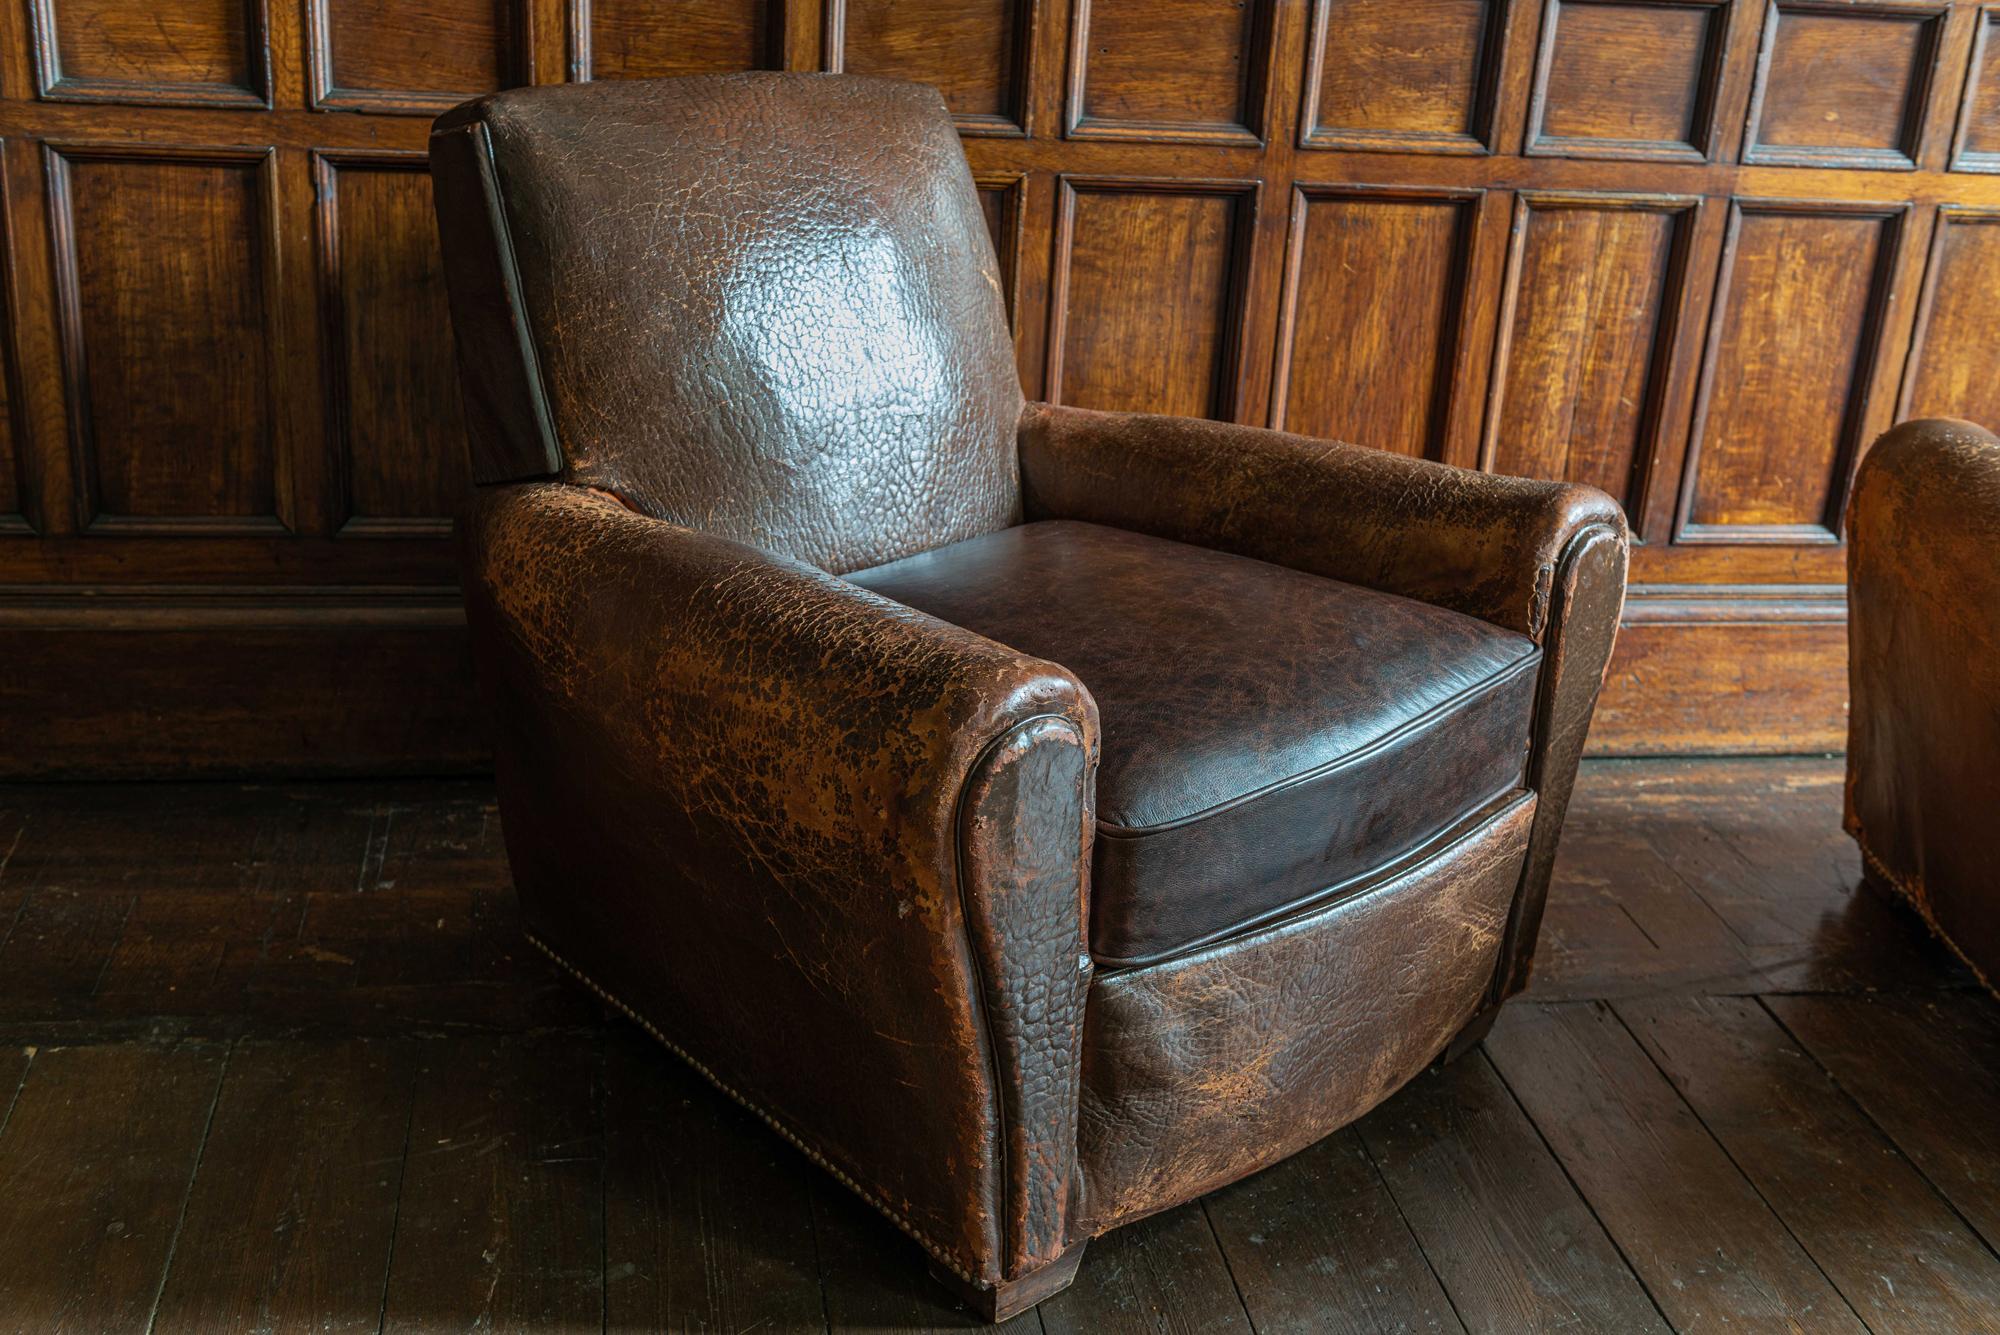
[[1206, 1068]]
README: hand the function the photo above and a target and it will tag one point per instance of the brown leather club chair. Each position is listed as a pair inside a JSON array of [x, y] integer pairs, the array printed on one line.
[[1923, 749], [1039, 817]]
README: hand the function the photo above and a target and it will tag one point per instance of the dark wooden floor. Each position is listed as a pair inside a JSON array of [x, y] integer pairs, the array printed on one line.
[[274, 1058]]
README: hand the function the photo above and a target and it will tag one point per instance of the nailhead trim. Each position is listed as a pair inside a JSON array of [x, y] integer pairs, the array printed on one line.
[[938, 1253]]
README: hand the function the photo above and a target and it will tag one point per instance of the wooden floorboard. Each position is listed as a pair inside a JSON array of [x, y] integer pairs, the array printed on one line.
[[1897, 1252], [274, 1057], [1165, 1274], [293, 1217], [1317, 1243], [500, 1225], [1693, 1228], [1516, 1246], [1928, 1072], [95, 1166], [708, 1219]]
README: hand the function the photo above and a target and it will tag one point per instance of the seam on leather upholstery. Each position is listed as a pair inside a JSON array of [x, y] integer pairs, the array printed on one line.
[[1421, 723], [937, 1251], [503, 240], [1340, 892]]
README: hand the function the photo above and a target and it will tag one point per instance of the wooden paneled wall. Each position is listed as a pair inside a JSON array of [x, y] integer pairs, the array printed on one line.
[[1696, 252]]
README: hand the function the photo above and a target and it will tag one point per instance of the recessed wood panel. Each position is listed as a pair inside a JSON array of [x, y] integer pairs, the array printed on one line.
[[1797, 321], [1627, 79], [1842, 85], [1145, 313], [1000, 204], [184, 53], [1374, 295], [162, 272], [974, 52], [1978, 145], [644, 39], [1955, 363], [1589, 299], [390, 55], [1168, 69], [1408, 75], [396, 422]]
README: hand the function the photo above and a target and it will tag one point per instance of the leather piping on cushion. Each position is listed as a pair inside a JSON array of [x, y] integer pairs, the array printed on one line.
[[1481, 693], [1401, 864], [1401, 732], [1231, 691]]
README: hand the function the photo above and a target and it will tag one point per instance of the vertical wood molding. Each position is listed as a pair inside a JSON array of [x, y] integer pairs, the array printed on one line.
[[327, 93], [1479, 117], [1705, 62], [1249, 126], [1897, 150], [1017, 78]]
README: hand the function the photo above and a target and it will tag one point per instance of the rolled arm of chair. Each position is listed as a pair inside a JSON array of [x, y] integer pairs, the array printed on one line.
[[1546, 559], [1477, 543], [831, 849]]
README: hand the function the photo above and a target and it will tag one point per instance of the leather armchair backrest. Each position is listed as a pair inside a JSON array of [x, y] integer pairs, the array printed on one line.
[[762, 305]]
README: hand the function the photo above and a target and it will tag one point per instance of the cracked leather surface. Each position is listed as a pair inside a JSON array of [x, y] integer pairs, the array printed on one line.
[[1202, 1069], [1024, 832], [786, 324], [1923, 754], [733, 784], [1267, 734]]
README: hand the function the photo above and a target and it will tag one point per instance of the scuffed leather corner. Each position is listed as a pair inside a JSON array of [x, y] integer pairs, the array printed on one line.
[[1477, 543], [1923, 752], [832, 847]]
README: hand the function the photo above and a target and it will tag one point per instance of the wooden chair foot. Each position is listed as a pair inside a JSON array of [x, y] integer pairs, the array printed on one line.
[[1468, 1038], [1011, 1297]]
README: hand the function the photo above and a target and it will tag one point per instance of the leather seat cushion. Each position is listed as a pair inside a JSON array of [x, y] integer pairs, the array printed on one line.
[[1271, 738]]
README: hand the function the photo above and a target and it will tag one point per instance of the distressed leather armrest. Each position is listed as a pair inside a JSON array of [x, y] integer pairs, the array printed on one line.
[[838, 842], [1474, 542]]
